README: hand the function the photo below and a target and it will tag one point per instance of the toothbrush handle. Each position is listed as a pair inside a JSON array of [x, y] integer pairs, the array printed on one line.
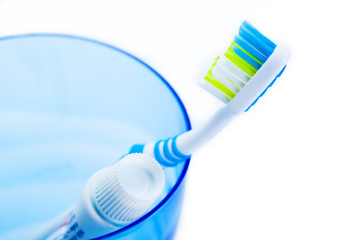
[[172, 151], [189, 142]]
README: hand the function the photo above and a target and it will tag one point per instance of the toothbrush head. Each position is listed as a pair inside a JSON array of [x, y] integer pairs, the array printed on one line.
[[249, 67]]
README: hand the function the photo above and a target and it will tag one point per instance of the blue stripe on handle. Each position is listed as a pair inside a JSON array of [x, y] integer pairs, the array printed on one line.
[[168, 154], [159, 157], [176, 151]]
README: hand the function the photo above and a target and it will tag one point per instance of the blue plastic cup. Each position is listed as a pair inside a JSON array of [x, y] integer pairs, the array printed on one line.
[[70, 106]]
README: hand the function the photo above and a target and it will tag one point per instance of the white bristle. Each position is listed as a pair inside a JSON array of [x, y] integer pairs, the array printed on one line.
[[229, 75], [222, 77], [232, 72], [215, 91]]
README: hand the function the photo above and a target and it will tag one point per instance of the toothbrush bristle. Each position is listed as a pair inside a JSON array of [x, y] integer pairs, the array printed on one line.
[[247, 53]]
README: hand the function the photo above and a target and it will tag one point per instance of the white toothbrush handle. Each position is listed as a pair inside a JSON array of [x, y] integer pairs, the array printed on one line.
[[172, 151], [192, 140]]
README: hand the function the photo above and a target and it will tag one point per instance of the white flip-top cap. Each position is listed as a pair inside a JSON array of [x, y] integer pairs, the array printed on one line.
[[125, 191]]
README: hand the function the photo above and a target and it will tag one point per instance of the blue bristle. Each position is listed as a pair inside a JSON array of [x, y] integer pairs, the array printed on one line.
[[256, 42], [250, 49], [259, 35], [246, 57]]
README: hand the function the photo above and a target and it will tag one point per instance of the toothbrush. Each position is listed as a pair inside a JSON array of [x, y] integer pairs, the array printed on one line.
[[238, 78]]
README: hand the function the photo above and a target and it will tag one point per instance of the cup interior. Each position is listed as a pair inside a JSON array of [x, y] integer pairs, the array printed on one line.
[[70, 106]]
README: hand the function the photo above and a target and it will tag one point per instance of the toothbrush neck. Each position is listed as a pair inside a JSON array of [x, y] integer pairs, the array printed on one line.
[[192, 140]]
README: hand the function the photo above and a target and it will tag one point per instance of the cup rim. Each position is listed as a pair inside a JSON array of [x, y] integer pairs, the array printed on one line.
[[162, 79]]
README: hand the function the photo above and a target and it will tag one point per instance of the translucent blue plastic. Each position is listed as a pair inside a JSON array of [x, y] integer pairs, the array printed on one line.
[[68, 107]]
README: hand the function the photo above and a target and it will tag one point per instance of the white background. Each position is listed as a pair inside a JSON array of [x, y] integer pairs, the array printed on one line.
[[289, 168]]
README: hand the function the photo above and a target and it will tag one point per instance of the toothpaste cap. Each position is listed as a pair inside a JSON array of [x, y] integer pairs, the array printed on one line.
[[126, 191]]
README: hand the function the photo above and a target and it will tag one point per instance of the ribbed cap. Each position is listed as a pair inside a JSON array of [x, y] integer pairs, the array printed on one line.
[[125, 191]]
